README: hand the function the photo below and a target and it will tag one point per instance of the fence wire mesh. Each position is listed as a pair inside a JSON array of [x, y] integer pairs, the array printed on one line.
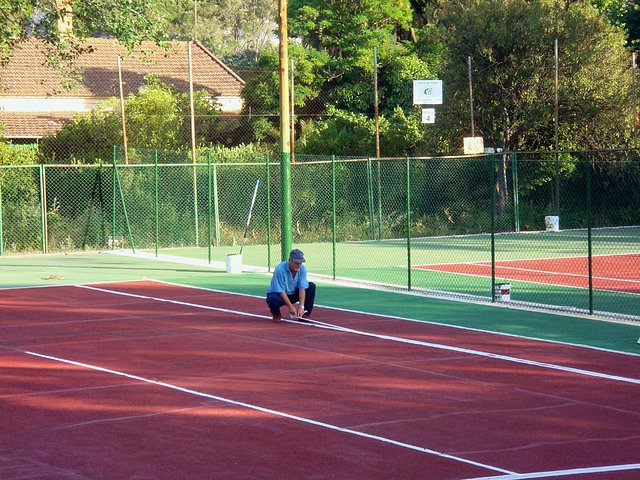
[[545, 230]]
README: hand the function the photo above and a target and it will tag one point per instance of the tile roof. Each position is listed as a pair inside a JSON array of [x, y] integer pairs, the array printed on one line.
[[32, 125], [26, 74]]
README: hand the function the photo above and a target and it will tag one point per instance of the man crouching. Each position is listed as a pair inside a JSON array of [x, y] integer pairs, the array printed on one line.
[[289, 286]]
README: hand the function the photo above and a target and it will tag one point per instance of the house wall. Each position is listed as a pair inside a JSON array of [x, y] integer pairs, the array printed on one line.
[[77, 104], [49, 104]]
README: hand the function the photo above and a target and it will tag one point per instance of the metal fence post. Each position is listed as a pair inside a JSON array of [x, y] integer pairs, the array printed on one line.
[[1, 233], [43, 208], [113, 200], [268, 178], [516, 194], [209, 200], [370, 198], [492, 191], [589, 242], [333, 213], [408, 224], [157, 206], [216, 210], [195, 202]]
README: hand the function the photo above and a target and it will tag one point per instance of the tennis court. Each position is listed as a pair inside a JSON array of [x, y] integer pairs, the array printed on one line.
[[615, 273], [179, 378], [547, 269]]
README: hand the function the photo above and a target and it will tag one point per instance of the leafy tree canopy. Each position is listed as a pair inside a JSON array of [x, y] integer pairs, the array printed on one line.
[[511, 44], [229, 28], [127, 20], [625, 14]]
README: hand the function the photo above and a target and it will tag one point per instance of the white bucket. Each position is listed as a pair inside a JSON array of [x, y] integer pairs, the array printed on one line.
[[502, 292], [234, 263], [552, 223]]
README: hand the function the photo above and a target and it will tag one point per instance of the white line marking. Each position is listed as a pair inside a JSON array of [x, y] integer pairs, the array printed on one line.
[[480, 353], [175, 302], [268, 411], [414, 320], [439, 346], [551, 272], [562, 473]]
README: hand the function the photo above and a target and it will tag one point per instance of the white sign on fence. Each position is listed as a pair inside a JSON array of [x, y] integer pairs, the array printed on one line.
[[473, 145], [427, 92], [428, 115]]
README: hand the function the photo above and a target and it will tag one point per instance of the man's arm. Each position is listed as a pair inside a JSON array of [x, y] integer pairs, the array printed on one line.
[[290, 306], [300, 307]]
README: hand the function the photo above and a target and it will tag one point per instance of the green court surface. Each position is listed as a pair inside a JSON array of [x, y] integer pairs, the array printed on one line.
[[42, 270], [420, 264]]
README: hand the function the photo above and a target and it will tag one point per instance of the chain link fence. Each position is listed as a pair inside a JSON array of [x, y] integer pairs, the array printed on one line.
[[539, 230]]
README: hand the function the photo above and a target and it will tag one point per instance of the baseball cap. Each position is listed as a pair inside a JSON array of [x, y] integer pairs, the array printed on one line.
[[297, 256]]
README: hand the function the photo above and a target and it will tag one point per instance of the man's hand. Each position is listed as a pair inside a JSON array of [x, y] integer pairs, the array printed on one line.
[[296, 311]]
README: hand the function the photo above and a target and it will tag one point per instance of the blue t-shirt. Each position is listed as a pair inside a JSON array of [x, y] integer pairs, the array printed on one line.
[[284, 281]]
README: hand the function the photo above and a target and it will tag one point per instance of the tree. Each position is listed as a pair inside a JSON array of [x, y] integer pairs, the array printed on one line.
[[129, 21], [348, 32], [511, 44], [157, 117], [624, 14], [229, 28]]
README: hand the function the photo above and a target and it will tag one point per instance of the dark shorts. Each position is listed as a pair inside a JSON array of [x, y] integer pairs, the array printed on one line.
[[274, 300]]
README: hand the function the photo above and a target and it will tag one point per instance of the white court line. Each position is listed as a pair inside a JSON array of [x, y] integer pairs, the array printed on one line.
[[407, 319], [432, 268], [562, 473], [268, 411], [560, 274], [439, 346]]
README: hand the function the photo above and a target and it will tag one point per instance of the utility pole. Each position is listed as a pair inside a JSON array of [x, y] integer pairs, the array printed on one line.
[[473, 126], [285, 134]]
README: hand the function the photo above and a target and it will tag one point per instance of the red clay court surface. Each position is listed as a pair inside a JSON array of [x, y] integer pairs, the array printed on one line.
[[620, 273], [148, 380]]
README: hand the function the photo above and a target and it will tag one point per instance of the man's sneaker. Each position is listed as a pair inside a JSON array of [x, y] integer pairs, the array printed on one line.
[[277, 318]]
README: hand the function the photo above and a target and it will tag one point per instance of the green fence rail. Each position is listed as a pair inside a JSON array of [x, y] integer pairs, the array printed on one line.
[[554, 231]]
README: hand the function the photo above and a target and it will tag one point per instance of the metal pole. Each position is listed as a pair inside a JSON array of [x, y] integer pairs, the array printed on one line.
[[113, 200], [193, 144], [377, 115], [253, 201], [216, 206], [379, 201], [471, 97], [209, 200], [492, 190], [124, 119], [157, 209], [635, 105], [293, 118], [516, 194], [285, 135], [195, 19], [372, 226], [268, 180], [1, 234], [589, 241], [333, 212], [557, 192], [375, 99], [408, 224], [555, 120], [43, 208]]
